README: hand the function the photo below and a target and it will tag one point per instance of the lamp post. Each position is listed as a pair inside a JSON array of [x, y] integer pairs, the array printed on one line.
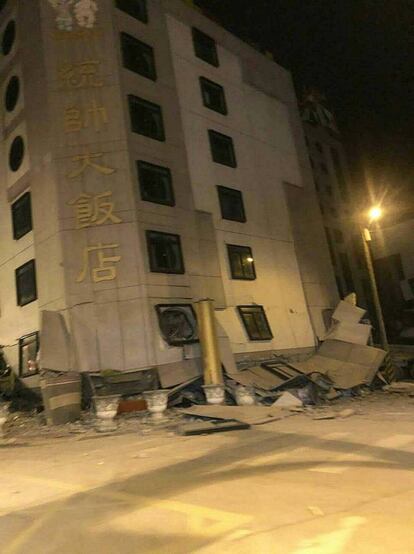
[[374, 214]]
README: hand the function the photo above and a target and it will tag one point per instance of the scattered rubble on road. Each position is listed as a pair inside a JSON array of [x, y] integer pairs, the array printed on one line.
[[343, 370]]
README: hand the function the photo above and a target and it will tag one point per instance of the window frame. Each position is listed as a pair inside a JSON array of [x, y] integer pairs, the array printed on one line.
[[216, 134], [22, 344], [126, 38], [11, 95], [152, 266], [142, 164], [134, 14], [198, 36], [204, 82], [222, 190], [161, 308], [31, 263], [249, 253], [133, 99], [259, 309], [26, 197], [16, 154]]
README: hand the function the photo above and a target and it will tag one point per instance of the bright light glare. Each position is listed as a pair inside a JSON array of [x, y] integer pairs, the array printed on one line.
[[249, 260], [375, 213]]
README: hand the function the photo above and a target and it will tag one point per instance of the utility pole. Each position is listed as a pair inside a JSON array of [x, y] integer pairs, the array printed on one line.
[[366, 238]]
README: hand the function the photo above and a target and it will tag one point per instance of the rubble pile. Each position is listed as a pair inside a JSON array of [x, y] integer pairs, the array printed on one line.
[[253, 392]]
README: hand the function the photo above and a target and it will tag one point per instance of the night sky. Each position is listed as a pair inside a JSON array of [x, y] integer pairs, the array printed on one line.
[[360, 53]]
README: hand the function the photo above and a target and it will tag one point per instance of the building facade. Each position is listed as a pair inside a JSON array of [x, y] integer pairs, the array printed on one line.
[[151, 159], [339, 202], [393, 254]]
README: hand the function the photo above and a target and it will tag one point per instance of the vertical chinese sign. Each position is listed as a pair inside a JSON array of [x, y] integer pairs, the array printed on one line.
[[90, 150]]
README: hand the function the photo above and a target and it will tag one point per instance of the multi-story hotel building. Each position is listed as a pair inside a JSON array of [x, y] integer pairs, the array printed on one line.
[[150, 159]]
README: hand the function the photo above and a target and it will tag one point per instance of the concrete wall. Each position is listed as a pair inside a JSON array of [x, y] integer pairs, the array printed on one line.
[[337, 213], [266, 156], [29, 120], [113, 322]]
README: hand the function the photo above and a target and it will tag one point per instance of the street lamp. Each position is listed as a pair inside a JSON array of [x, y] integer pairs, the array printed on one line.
[[374, 214]]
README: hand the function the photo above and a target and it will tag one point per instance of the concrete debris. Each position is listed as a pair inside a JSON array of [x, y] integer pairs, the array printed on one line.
[[356, 333], [288, 400], [332, 394], [209, 427], [347, 365], [253, 415], [401, 387], [179, 372], [325, 415], [348, 313], [348, 412]]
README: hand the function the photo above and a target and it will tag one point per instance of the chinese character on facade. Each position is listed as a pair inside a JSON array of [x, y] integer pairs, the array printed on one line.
[[105, 269], [69, 11], [80, 75], [94, 210], [76, 119], [88, 160]]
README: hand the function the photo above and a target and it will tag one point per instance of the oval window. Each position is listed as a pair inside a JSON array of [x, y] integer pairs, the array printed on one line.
[[16, 153], [9, 37], [12, 93]]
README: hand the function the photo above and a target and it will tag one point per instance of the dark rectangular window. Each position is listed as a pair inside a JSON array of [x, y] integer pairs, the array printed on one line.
[[231, 204], [138, 56], [358, 251], [146, 118], [255, 322], [338, 235], [205, 47], [340, 177], [347, 273], [164, 251], [155, 183], [241, 262], [134, 8], [26, 283], [339, 286], [323, 167], [330, 245], [319, 147], [222, 149], [28, 349], [213, 96], [22, 216]]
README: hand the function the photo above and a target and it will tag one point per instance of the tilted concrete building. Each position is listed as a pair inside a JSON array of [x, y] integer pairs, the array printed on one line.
[[151, 159], [339, 200]]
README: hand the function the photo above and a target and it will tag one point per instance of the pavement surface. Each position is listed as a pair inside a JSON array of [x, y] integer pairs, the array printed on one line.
[[295, 486]]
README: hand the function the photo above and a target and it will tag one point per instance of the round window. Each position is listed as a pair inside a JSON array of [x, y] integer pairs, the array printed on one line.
[[16, 153], [12, 93], [2, 4], [9, 37]]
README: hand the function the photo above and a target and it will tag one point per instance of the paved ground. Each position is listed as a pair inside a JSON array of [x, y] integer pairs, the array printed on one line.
[[296, 486]]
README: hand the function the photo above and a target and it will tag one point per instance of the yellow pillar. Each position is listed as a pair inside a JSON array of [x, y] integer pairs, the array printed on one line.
[[213, 374]]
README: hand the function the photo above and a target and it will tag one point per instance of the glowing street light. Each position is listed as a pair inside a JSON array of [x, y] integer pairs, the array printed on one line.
[[374, 214]]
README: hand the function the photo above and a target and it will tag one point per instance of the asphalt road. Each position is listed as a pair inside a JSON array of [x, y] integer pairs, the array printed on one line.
[[295, 486]]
